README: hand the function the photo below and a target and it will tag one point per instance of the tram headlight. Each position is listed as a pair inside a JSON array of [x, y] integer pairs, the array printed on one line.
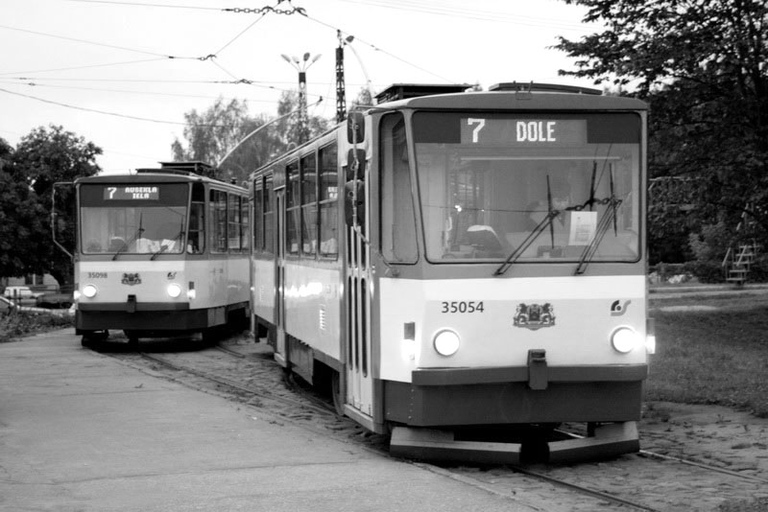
[[90, 291], [174, 290], [446, 342], [625, 339]]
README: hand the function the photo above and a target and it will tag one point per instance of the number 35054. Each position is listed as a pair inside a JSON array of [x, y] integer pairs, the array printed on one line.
[[462, 307]]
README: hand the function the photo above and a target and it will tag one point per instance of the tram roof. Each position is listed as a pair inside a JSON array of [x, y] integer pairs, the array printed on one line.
[[154, 176], [556, 98]]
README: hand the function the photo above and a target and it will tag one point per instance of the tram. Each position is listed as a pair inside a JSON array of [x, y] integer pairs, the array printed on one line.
[[161, 252], [454, 263]]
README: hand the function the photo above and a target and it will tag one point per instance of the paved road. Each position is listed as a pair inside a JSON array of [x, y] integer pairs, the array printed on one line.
[[82, 432]]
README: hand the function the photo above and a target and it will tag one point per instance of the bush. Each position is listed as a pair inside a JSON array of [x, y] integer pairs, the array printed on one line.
[[16, 325], [706, 271]]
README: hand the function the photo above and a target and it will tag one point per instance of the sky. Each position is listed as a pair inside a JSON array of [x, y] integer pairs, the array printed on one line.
[[122, 73]]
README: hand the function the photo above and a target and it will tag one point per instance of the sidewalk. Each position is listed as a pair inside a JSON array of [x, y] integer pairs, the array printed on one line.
[[80, 431]]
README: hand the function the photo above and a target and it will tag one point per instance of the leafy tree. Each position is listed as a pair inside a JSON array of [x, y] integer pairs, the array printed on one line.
[[42, 158], [703, 67], [19, 217], [222, 132]]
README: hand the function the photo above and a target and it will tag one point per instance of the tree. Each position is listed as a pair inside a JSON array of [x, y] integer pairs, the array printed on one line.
[[703, 67], [19, 217], [219, 131], [42, 158]]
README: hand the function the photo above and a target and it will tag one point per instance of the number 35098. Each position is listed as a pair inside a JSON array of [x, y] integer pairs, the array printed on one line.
[[462, 307]]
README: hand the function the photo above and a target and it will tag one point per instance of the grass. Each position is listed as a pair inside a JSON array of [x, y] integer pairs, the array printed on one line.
[[712, 356], [17, 325]]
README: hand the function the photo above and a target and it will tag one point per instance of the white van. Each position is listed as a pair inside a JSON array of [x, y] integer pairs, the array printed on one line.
[[20, 292]]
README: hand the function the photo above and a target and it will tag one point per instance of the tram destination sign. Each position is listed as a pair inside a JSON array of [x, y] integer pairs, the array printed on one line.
[[527, 132], [131, 193]]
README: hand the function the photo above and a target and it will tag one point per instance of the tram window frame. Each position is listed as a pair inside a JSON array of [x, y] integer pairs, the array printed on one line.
[[269, 214], [234, 223], [245, 239], [258, 214], [308, 170], [197, 217], [398, 230], [218, 207], [328, 201], [293, 208]]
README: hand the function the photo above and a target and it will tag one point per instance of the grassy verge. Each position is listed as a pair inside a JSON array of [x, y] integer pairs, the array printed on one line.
[[712, 356], [16, 325]]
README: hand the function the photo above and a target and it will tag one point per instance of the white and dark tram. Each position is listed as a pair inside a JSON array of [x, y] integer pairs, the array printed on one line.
[[460, 262], [161, 252]]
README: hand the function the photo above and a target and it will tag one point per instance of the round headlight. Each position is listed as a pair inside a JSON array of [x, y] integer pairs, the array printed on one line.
[[174, 290], [624, 340], [446, 342], [89, 291]]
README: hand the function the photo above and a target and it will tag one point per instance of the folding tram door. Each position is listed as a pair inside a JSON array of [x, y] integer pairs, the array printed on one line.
[[357, 302], [280, 342]]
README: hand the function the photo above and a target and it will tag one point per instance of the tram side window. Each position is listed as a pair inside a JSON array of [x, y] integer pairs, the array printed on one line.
[[245, 239], [309, 204], [218, 207], [329, 205], [234, 224], [293, 208], [269, 216], [258, 214], [398, 223], [196, 243]]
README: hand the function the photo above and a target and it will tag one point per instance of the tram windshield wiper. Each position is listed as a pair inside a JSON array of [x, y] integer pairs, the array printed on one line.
[[165, 247], [532, 236], [545, 223], [602, 228]]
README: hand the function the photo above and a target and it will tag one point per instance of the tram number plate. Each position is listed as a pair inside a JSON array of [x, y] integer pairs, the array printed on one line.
[[462, 307]]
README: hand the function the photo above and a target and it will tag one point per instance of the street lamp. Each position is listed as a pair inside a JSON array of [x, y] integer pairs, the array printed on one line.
[[302, 66]]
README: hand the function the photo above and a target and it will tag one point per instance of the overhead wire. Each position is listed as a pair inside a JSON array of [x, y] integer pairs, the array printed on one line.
[[87, 66], [376, 48], [96, 111], [441, 8], [144, 4], [145, 93], [105, 45]]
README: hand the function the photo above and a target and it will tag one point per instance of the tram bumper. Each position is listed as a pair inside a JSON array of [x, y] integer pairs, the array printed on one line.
[[440, 404], [435, 445], [140, 316], [438, 397]]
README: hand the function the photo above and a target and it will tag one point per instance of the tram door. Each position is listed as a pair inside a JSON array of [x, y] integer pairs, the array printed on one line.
[[280, 348], [359, 388]]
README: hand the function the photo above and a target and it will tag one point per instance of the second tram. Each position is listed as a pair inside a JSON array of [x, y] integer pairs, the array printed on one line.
[[161, 252], [460, 262]]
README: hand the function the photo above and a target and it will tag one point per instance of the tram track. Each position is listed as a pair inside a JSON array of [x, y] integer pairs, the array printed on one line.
[[631, 482]]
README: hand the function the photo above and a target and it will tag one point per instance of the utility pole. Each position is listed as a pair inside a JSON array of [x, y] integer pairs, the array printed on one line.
[[302, 66], [341, 94]]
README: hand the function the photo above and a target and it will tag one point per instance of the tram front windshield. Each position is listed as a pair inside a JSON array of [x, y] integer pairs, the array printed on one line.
[[542, 187], [133, 218]]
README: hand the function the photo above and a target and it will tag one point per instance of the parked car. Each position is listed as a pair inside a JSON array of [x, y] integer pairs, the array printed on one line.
[[20, 292]]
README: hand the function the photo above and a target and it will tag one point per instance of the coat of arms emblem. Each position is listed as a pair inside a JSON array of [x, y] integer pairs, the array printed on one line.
[[131, 279], [534, 316]]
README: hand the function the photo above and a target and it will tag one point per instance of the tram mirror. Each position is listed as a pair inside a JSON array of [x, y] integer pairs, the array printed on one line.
[[355, 127], [354, 202], [356, 164], [63, 217]]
